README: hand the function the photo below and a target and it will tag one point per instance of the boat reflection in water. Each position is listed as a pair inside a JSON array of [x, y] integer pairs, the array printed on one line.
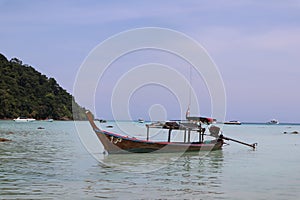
[[142, 163], [188, 176]]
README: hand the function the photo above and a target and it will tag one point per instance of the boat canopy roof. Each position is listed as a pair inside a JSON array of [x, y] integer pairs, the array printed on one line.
[[205, 120]]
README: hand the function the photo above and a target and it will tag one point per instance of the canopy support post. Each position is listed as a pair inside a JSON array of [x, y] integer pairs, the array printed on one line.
[[147, 131], [169, 136]]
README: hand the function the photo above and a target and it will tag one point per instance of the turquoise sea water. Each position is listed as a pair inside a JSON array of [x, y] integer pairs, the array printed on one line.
[[53, 163]]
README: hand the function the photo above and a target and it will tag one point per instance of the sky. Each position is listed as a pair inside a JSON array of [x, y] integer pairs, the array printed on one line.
[[254, 44]]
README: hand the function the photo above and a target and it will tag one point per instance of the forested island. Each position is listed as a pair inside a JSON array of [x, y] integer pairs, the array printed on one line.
[[26, 92]]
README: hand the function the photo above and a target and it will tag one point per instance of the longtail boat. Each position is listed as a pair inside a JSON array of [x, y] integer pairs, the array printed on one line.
[[116, 143]]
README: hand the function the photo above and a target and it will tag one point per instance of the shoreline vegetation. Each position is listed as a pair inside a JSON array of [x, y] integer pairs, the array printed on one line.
[[26, 92]]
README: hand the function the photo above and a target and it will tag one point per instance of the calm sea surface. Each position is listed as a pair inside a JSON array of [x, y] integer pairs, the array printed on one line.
[[53, 163]]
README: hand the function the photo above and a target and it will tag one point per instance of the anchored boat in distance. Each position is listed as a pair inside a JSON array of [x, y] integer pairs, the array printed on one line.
[[233, 122], [24, 119], [273, 121]]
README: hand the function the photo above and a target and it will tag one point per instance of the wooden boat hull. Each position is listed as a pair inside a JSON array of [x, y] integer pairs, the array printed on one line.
[[117, 144], [114, 143]]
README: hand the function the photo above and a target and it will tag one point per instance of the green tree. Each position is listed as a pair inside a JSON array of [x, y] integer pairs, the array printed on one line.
[[26, 92]]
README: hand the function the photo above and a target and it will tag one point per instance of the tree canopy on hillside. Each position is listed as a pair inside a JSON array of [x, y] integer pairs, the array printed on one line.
[[26, 92]]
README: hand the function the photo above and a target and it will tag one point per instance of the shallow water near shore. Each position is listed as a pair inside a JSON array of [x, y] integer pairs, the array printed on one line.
[[52, 163]]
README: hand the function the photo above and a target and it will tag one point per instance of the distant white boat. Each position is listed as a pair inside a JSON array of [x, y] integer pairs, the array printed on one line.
[[141, 120], [273, 121], [24, 119], [234, 122]]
